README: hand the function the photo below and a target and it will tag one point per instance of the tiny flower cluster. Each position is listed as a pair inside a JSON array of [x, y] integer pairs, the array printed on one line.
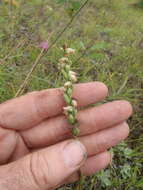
[[70, 77]]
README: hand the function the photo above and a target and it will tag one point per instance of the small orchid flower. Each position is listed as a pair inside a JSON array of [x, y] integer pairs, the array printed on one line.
[[74, 103], [73, 77], [68, 84], [63, 60], [70, 51]]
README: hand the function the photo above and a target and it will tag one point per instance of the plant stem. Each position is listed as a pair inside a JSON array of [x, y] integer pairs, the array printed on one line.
[[22, 87]]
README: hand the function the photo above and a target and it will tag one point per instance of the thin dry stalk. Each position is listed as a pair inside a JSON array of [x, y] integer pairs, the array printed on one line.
[[22, 87]]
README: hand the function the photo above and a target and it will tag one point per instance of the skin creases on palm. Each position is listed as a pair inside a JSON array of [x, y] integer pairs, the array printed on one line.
[[12, 146]]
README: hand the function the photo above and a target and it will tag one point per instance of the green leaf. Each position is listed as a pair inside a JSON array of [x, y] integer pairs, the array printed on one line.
[[126, 171], [62, 1], [75, 5], [105, 178], [97, 56], [67, 99], [100, 46]]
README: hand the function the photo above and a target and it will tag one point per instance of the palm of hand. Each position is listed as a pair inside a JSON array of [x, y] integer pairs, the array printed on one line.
[[35, 121]]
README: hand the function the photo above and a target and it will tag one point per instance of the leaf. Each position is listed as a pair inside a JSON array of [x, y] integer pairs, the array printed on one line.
[[62, 1], [75, 5], [100, 46], [105, 178], [140, 183], [81, 44], [97, 56], [126, 171]]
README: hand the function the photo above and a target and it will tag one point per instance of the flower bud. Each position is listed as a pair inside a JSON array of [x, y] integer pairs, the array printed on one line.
[[64, 60], [70, 51], [68, 84], [73, 78], [75, 112], [69, 92], [64, 89], [68, 108], [71, 119], [72, 73], [74, 103], [49, 8], [61, 66], [44, 45], [67, 99], [75, 131]]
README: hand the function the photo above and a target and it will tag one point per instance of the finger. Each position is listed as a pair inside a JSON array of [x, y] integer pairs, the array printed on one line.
[[94, 143], [8, 140], [92, 165], [20, 150], [103, 140], [91, 120], [44, 169], [104, 116], [96, 163], [29, 110], [12, 146]]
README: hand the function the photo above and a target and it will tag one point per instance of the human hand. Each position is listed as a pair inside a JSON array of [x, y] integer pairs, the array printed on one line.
[[37, 151]]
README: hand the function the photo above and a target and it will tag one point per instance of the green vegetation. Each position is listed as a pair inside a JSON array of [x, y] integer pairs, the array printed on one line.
[[108, 35], [140, 4]]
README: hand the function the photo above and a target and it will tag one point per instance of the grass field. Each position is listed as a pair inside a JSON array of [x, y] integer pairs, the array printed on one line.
[[108, 37]]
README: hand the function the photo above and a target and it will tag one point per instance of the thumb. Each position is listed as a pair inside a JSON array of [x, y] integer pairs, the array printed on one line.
[[45, 169]]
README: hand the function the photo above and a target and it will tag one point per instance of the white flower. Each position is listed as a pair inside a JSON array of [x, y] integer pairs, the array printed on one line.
[[74, 103], [72, 73], [61, 48], [60, 66], [70, 51], [73, 78], [64, 89], [49, 8], [63, 60], [68, 84], [67, 109]]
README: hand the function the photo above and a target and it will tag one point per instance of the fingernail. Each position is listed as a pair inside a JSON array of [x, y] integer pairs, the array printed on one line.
[[74, 154]]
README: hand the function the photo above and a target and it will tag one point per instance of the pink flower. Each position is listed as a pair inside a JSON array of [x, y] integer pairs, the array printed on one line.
[[44, 45]]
